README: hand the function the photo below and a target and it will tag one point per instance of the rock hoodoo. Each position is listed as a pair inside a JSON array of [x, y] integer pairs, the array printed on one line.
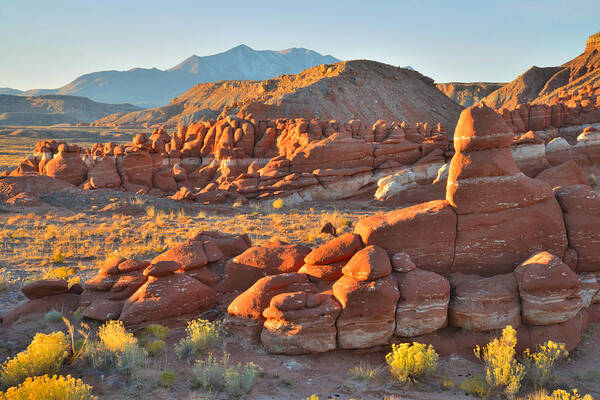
[[502, 248]]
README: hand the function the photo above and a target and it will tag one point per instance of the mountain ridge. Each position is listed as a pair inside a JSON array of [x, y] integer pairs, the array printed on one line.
[[356, 89], [152, 87], [542, 85], [55, 109]]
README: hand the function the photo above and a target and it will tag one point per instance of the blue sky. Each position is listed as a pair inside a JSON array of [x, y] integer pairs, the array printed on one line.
[[46, 44]]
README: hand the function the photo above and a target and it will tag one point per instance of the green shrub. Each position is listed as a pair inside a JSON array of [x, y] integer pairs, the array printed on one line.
[[49, 388], [44, 355], [78, 314], [477, 386], [167, 379], [409, 361], [503, 372], [200, 334], [539, 364], [155, 347], [53, 316], [212, 374], [116, 348], [158, 331]]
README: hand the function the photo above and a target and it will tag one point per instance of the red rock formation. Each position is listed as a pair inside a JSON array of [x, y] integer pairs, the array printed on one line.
[[300, 323], [484, 304], [409, 230], [581, 208], [503, 216], [550, 290], [368, 311], [271, 258], [423, 304]]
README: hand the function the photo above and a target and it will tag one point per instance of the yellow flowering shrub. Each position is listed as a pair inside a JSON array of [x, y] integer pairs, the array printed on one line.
[[540, 364], [44, 355], [113, 336], [278, 204], [49, 388], [116, 348], [408, 361], [200, 334], [560, 395], [503, 371]]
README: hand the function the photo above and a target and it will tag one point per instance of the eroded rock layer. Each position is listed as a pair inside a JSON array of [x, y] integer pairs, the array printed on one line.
[[502, 249]]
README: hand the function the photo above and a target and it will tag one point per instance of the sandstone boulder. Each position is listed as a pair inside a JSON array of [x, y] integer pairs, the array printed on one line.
[[423, 304], [338, 249], [368, 311], [259, 261], [45, 287], [581, 208], [68, 167], [565, 174], [484, 304], [169, 296], [104, 174], [300, 322], [368, 264], [188, 255], [426, 232], [550, 290]]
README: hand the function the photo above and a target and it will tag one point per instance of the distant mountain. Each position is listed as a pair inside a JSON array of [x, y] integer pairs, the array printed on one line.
[[7, 90], [542, 85], [55, 109], [467, 94], [154, 87], [358, 89]]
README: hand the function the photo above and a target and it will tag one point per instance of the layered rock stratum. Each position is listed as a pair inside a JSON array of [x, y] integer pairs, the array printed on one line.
[[541, 85], [501, 248], [467, 94]]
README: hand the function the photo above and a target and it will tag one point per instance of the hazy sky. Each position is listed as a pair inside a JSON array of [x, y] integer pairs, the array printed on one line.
[[48, 43]]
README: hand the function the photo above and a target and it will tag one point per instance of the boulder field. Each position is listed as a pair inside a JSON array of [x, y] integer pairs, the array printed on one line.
[[501, 249]]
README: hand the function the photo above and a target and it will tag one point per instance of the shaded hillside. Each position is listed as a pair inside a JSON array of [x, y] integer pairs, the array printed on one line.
[[53, 109], [7, 90], [541, 85], [467, 94], [152, 87], [360, 89]]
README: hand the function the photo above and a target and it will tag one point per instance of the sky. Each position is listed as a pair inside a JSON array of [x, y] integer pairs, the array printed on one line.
[[49, 43]]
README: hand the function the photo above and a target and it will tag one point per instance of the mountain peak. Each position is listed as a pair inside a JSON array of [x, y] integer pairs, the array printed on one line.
[[241, 47], [152, 87]]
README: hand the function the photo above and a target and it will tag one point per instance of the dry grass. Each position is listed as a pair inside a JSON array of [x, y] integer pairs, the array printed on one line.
[[49, 246]]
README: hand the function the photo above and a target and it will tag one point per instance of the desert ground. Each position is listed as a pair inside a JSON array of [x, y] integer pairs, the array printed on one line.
[[70, 237]]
